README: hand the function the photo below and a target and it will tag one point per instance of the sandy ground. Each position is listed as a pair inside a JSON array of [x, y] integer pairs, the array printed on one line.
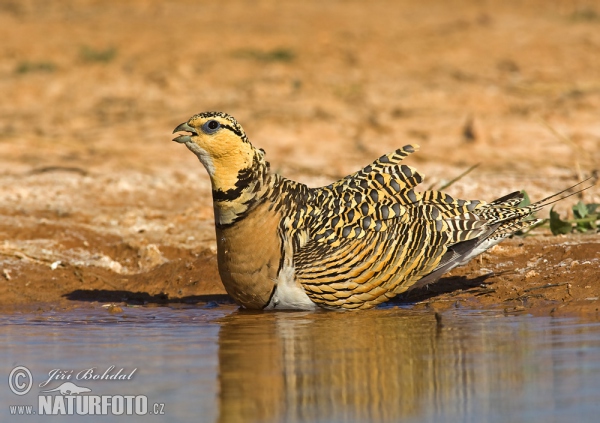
[[98, 205]]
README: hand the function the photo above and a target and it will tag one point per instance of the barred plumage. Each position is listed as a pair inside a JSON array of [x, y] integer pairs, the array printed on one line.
[[352, 244]]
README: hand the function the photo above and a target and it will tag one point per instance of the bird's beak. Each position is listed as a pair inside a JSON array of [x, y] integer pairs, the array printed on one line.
[[184, 138]]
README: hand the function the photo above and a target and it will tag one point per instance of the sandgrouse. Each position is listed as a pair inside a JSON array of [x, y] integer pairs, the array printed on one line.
[[351, 245]]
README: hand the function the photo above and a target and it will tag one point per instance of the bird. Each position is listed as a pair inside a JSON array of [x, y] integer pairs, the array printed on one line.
[[350, 245]]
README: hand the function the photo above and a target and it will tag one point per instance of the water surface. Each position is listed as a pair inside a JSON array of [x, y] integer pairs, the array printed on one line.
[[219, 364]]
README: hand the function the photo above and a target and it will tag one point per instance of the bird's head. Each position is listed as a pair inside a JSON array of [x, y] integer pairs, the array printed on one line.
[[221, 145]]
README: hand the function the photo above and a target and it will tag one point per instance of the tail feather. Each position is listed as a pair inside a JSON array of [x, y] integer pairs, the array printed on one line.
[[505, 218], [545, 201]]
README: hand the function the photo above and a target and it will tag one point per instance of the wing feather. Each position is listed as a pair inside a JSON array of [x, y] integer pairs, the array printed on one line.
[[371, 236]]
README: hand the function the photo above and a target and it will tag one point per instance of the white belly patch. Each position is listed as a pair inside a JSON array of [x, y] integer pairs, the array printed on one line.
[[288, 295]]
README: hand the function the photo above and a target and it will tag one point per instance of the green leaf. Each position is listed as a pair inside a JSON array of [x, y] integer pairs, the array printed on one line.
[[557, 225], [588, 223], [580, 210], [582, 225], [525, 201], [89, 54], [592, 207]]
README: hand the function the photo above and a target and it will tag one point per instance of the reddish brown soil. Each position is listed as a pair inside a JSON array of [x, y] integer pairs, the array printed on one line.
[[97, 205]]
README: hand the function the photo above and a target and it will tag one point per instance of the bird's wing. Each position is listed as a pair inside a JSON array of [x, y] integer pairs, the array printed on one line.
[[372, 235]]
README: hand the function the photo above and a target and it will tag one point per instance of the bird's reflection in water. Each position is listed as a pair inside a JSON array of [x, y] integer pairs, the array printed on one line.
[[379, 365]]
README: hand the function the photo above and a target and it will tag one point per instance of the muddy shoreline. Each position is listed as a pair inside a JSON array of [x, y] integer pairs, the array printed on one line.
[[538, 276], [98, 206]]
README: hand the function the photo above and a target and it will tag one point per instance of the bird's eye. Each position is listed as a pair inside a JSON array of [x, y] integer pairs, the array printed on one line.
[[211, 126]]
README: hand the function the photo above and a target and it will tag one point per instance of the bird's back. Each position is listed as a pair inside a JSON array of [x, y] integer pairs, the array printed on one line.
[[373, 236]]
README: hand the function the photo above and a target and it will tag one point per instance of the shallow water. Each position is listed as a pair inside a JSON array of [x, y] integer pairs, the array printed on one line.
[[217, 364]]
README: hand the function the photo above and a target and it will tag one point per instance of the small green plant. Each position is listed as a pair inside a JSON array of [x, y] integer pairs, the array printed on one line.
[[557, 225], [586, 14], [275, 55], [29, 67], [89, 54], [585, 218]]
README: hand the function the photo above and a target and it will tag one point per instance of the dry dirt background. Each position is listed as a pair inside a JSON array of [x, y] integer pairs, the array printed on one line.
[[96, 203]]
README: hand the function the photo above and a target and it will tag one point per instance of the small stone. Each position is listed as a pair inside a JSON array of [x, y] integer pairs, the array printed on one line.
[[114, 309], [531, 274], [150, 257]]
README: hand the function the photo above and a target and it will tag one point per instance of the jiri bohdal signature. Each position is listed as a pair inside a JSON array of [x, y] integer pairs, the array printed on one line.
[[91, 373]]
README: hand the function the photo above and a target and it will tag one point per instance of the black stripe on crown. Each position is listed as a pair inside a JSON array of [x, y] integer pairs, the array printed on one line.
[[235, 127]]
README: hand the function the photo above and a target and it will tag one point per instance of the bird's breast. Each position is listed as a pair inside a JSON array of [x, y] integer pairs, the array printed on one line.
[[249, 255]]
